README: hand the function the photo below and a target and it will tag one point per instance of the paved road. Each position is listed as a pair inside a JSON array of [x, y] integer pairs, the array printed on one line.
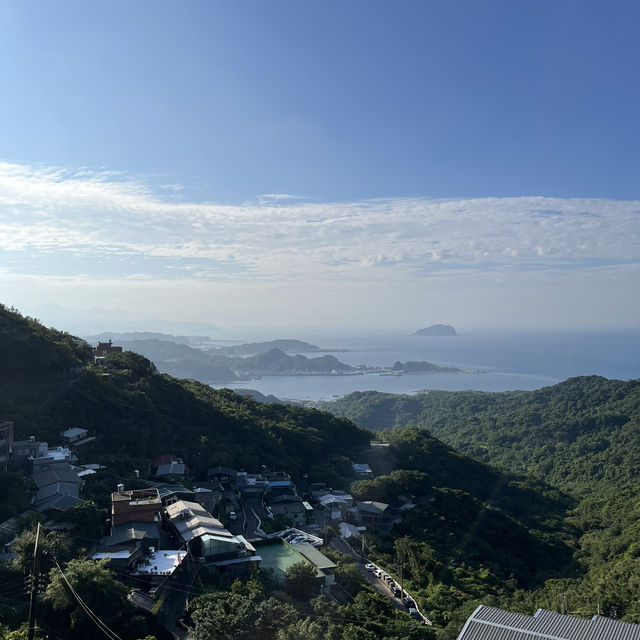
[[246, 522], [379, 585]]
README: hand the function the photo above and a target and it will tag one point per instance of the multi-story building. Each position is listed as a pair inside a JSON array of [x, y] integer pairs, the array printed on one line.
[[103, 349], [135, 505], [210, 541], [34, 457], [6, 444]]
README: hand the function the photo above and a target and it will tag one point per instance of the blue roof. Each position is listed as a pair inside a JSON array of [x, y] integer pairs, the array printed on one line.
[[279, 483]]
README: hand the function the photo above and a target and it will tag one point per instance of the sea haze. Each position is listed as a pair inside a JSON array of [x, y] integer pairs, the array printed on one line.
[[496, 361]]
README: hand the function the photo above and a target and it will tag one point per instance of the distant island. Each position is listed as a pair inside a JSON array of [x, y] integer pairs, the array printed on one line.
[[439, 330]]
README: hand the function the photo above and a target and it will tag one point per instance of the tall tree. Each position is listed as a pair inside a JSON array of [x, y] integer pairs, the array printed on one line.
[[235, 616], [86, 592]]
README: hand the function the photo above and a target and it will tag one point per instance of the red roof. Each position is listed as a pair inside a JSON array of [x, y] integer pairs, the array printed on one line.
[[165, 458]]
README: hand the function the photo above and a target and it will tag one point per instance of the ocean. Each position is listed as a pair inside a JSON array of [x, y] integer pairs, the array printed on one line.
[[496, 362]]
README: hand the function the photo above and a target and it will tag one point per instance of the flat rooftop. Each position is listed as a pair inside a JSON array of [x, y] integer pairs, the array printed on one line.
[[279, 556], [161, 563], [137, 496]]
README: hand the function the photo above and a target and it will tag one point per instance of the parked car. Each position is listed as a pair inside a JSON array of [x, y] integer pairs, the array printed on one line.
[[396, 592], [233, 516], [370, 566], [377, 573], [408, 602]]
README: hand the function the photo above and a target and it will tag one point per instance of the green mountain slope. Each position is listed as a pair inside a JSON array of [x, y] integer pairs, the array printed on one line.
[[581, 436], [574, 435], [38, 365]]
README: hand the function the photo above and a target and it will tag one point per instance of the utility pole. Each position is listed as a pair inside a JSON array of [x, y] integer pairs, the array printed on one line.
[[34, 589], [325, 531]]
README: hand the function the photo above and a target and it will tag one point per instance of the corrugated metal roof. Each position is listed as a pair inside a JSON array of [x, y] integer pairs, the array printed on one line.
[[314, 556], [490, 623], [53, 476]]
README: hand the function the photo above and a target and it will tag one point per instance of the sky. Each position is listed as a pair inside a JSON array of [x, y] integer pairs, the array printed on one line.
[[359, 165]]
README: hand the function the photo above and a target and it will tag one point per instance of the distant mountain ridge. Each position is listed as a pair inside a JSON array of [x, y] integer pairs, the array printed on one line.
[[219, 365], [133, 336], [184, 361], [252, 348]]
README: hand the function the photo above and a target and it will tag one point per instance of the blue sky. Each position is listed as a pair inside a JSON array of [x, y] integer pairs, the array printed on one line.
[[299, 163]]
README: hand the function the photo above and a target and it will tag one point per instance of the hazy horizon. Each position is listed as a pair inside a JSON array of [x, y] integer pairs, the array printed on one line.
[[92, 322]]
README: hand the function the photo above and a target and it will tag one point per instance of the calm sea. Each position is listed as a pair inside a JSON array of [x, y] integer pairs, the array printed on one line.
[[507, 361]]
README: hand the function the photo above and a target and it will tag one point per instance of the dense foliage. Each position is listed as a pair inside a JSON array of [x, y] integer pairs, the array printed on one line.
[[471, 533], [83, 591], [263, 610], [575, 435], [39, 365], [582, 437], [137, 413]]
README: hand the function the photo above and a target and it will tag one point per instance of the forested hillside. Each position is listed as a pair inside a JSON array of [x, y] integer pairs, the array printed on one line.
[[581, 436], [38, 365], [546, 506], [575, 435]]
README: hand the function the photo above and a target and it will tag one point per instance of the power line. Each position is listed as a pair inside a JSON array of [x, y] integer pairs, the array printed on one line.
[[34, 589], [112, 635]]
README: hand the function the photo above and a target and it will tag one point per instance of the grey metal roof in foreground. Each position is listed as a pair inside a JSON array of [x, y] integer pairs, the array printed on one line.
[[489, 623]]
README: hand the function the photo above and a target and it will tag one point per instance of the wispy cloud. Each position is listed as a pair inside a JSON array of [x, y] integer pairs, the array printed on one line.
[[106, 216], [277, 197]]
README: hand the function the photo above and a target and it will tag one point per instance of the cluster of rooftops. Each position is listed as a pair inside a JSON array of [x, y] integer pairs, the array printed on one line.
[[55, 472], [153, 530]]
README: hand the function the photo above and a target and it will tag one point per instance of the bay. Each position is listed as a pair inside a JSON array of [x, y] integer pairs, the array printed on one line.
[[495, 362]]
